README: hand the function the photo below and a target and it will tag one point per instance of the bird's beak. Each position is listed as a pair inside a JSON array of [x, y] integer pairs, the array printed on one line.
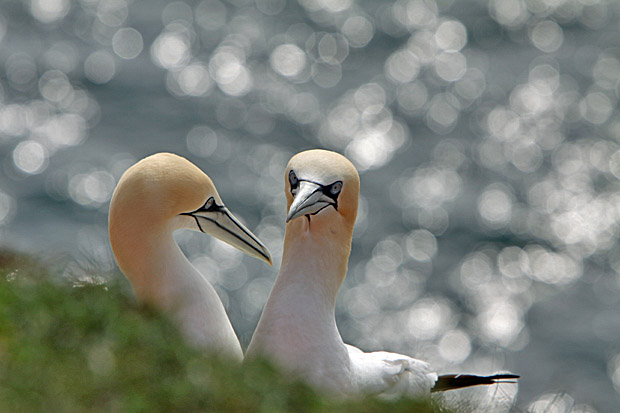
[[222, 224], [308, 200]]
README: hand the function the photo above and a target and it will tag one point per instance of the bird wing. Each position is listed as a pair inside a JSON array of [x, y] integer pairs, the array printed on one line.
[[498, 395], [387, 373]]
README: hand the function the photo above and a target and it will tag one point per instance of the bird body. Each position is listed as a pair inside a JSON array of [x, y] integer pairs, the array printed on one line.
[[155, 197], [297, 328]]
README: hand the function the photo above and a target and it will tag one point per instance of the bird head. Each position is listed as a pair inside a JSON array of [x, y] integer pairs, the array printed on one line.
[[168, 191], [323, 187]]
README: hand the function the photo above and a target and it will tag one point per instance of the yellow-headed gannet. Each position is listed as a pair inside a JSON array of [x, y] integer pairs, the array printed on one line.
[[297, 328], [154, 197]]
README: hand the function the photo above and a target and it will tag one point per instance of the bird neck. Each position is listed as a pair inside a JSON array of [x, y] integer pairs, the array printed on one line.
[[301, 306], [163, 277], [297, 328], [315, 256], [152, 261]]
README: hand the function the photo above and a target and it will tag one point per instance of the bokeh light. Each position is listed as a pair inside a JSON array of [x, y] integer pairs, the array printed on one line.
[[100, 67], [93, 188], [112, 13], [30, 157], [455, 346], [358, 30], [288, 60], [48, 11], [487, 136], [127, 43], [171, 49]]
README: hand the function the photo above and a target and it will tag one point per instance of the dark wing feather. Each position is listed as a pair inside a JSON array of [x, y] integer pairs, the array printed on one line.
[[458, 381]]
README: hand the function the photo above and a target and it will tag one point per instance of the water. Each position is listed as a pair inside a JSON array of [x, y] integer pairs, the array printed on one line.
[[486, 134]]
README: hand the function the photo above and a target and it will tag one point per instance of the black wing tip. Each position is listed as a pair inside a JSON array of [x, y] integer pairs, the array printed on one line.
[[459, 381], [505, 376]]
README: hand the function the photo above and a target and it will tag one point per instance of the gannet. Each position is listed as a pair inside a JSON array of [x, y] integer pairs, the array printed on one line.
[[297, 329], [156, 196]]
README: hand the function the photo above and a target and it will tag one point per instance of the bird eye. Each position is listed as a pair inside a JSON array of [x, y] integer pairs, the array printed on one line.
[[209, 203], [292, 178], [336, 188]]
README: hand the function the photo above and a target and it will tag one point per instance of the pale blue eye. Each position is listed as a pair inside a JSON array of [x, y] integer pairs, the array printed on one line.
[[336, 188], [292, 178]]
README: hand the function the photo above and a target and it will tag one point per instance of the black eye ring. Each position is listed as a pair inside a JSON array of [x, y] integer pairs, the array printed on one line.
[[210, 205], [292, 178]]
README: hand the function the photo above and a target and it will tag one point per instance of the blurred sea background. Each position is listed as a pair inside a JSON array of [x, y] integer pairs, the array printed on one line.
[[486, 133]]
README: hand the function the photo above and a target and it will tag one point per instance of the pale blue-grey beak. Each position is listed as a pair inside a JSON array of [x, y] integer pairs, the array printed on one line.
[[308, 200]]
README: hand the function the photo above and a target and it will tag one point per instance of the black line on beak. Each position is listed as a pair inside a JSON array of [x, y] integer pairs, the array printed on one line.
[[221, 209], [326, 190]]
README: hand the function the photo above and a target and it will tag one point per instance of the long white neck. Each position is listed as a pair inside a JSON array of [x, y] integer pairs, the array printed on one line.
[[163, 277], [298, 327]]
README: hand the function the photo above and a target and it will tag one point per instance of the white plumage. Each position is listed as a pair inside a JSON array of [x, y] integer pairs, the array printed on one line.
[[155, 197], [297, 329]]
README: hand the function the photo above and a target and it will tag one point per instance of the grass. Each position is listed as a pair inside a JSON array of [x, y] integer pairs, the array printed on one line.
[[92, 348]]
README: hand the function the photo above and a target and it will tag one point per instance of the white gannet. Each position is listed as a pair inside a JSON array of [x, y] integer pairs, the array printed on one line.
[[156, 196], [297, 328]]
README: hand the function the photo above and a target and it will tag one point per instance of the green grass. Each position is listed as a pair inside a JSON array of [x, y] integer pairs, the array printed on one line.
[[92, 348]]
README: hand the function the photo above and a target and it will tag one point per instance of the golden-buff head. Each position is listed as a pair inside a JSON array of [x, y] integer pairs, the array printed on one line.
[[163, 186], [165, 192], [321, 185]]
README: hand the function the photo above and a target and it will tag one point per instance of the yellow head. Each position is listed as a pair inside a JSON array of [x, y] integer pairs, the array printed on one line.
[[164, 192], [323, 187]]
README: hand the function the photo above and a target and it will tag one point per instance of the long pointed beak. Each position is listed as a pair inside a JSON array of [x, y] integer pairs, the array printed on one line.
[[308, 200], [223, 225]]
